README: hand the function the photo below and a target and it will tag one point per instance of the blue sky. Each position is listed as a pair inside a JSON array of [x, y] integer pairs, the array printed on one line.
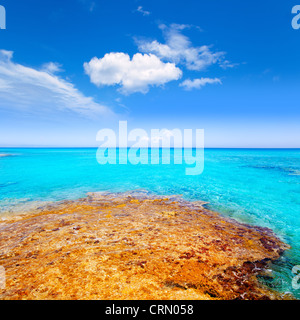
[[70, 68]]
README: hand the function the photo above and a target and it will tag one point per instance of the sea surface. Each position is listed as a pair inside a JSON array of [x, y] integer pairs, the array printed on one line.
[[255, 186]]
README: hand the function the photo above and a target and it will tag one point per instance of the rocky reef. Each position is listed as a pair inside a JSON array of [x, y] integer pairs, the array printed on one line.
[[109, 246]]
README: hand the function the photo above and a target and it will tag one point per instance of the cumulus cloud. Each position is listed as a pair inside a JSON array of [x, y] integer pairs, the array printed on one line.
[[142, 11], [28, 88], [132, 75], [179, 49], [199, 83]]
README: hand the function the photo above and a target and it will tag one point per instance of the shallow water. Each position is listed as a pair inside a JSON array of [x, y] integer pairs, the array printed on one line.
[[259, 187]]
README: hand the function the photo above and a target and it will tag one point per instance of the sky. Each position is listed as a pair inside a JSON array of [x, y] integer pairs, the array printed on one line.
[[71, 68]]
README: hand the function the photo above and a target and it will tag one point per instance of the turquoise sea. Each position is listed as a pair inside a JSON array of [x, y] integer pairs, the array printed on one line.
[[255, 186]]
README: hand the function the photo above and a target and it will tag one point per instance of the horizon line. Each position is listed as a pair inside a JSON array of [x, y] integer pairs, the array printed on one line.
[[97, 147]]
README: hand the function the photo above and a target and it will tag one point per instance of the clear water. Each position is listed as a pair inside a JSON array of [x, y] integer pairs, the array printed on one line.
[[260, 187]]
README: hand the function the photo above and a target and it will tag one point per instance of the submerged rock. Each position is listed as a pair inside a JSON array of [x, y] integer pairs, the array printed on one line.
[[133, 247]]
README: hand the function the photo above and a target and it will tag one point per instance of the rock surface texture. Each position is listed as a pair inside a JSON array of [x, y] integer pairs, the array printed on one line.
[[133, 247]]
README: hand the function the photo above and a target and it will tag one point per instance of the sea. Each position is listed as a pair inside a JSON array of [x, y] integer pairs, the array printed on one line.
[[254, 186]]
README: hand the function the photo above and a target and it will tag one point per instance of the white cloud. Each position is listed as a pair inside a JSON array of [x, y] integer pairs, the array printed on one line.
[[225, 64], [133, 75], [199, 83], [52, 67], [90, 5], [179, 49], [27, 88], [144, 12], [163, 135]]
